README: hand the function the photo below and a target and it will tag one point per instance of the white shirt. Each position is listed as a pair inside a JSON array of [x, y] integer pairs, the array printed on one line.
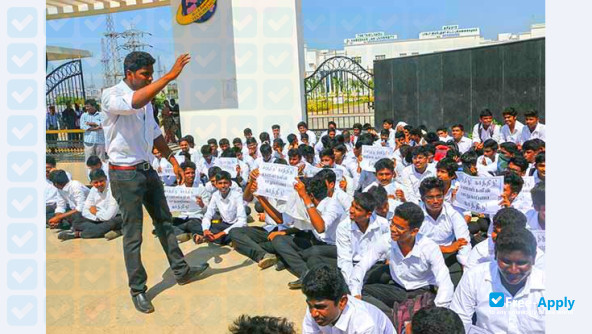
[[507, 135], [532, 220], [129, 132], [490, 166], [520, 313], [352, 244], [358, 317], [391, 190], [181, 158], [343, 198], [485, 252], [411, 180], [205, 197], [106, 205], [73, 195], [203, 166], [163, 164], [448, 227], [493, 132], [231, 208], [259, 161], [210, 188], [464, 144], [332, 213], [312, 138], [539, 132], [423, 266], [446, 139], [51, 193]]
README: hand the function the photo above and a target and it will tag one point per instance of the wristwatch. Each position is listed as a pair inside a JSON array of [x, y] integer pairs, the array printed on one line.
[[310, 206]]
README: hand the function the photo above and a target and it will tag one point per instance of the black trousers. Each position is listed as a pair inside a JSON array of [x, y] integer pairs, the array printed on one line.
[[289, 248], [187, 225], [219, 227], [131, 189], [96, 229], [320, 254], [454, 268], [251, 242]]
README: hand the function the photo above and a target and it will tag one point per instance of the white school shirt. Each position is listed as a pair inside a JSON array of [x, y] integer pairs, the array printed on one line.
[[412, 179], [312, 138], [205, 197], [520, 313], [539, 132], [344, 199], [507, 135], [358, 317], [51, 193], [129, 132], [391, 189], [532, 220], [231, 208], [423, 266], [203, 166], [464, 144], [446, 139], [332, 213], [194, 157], [352, 244], [106, 205], [485, 252], [490, 166], [73, 195], [447, 228], [493, 132], [163, 164], [260, 160], [287, 220], [211, 189]]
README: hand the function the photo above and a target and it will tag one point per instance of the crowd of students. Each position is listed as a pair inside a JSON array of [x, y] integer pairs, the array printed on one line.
[[364, 244]]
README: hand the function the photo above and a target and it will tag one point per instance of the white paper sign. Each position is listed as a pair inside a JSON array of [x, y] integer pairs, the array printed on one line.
[[276, 181], [539, 235], [181, 198], [479, 194], [227, 165], [167, 171], [311, 170], [523, 201], [371, 154]]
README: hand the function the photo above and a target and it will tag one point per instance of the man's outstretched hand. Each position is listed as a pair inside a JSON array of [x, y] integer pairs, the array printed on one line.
[[177, 68]]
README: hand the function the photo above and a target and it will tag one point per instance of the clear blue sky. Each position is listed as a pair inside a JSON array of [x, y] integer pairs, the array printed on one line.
[[326, 23]]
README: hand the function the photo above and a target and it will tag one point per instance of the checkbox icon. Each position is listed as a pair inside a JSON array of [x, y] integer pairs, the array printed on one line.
[[22, 310], [22, 22], [22, 58], [22, 94], [278, 22], [22, 274], [22, 202], [21, 130], [497, 299], [278, 58], [22, 238], [244, 20], [22, 166]]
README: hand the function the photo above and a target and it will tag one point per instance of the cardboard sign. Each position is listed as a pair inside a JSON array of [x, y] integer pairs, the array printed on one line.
[[311, 170], [276, 181], [523, 201], [181, 198], [479, 194], [227, 165], [371, 154]]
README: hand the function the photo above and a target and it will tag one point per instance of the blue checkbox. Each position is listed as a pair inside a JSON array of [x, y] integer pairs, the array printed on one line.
[[278, 94], [22, 22], [278, 22], [22, 94], [21, 238], [244, 22], [279, 58], [21, 310], [245, 58], [247, 95], [21, 130], [207, 58], [236, 125], [22, 58], [21, 274], [497, 299], [22, 202], [22, 166]]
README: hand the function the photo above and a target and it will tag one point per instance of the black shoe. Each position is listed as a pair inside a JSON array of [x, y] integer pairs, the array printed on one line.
[[67, 235], [142, 303], [193, 274], [297, 284], [279, 266]]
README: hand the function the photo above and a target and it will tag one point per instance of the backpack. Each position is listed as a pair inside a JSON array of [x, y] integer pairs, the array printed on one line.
[[404, 311]]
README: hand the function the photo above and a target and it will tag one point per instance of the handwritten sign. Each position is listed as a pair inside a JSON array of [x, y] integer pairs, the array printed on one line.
[[523, 201], [371, 154], [227, 165], [311, 170], [479, 194], [181, 198], [167, 175], [539, 235], [276, 181]]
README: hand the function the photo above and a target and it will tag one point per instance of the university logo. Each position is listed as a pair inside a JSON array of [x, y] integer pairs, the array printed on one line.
[[197, 11]]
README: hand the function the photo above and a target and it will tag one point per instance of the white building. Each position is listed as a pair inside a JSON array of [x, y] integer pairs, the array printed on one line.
[[313, 58]]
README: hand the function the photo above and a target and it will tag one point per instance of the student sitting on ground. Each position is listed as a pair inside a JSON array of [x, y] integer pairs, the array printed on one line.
[[488, 161], [100, 214], [71, 197], [206, 162], [512, 187], [513, 273], [386, 177], [415, 264], [93, 163], [539, 165], [334, 191], [414, 174], [188, 223], [435, 320], [160, 165], [331, 309]]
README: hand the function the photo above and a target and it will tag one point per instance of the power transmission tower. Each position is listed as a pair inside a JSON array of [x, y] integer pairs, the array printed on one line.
[[134, 40], [111, 59]]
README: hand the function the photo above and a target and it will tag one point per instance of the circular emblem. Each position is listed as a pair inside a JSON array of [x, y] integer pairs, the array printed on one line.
[[195, 11]]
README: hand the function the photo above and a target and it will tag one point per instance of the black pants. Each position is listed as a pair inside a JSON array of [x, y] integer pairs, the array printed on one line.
[[289, 248], [454, 268], [96, 229], [131, 189], [187, 225], [219, 227], [251, 242], [321, 254]]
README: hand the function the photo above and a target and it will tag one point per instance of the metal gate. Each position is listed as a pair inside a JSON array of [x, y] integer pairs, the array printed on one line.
[[340, 90], [65, 85]]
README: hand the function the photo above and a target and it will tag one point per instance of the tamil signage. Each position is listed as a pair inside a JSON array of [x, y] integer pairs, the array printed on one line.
[[449, 31]]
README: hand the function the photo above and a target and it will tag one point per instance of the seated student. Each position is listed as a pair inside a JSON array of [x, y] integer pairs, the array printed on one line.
[[328, 161], [512, 129], [458, 135], [415, 264], [446, 172], [506, 151], [357, 131], [245, 168], [385, 176], [485, 130], [340, 152], [266, 155], [485, 250], [469, 164], [51, 192], [100, 214], [304, 139], [435, 320], [264, 138], [414, 174], [536, 216], [388, 124], [229, 203], [443, 134], [325, 213], [488, 161], [512, 186], [185, 152], [237, 142], [356, 234], [71, 197], [93, 163], [253, 148], [245, 324], [539, 165], [533, 129], [278, 149], [195, 154], [416, 137], [445, 226], [333, 191], [310, 136], [530, 149], [331, 126], [248, 133], [514, 274], [331, 309], [224, 144], [519, 165], [382, 202], [362, 178], [385, 140], [214, 150], [242, 170], [292, 142], [159, 164], [206, 162], [188, 223], [347, 141]]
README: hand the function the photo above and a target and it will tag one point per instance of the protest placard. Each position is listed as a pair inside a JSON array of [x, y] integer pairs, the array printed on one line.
[[166, 172], [181, 198], [227, 165], [523, 201], [539, 235], [371, 154], [479, 194], [311, 170], [276, 181]]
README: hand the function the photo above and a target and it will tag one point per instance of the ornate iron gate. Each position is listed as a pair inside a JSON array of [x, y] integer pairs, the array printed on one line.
[[64, 85], [340, 90]]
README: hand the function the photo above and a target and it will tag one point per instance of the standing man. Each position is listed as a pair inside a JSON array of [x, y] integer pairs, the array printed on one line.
[[94, 137], [130, 135], [69, 117], [176, 117]]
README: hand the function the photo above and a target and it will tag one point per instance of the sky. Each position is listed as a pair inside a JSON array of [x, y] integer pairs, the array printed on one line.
[[325, 24]]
